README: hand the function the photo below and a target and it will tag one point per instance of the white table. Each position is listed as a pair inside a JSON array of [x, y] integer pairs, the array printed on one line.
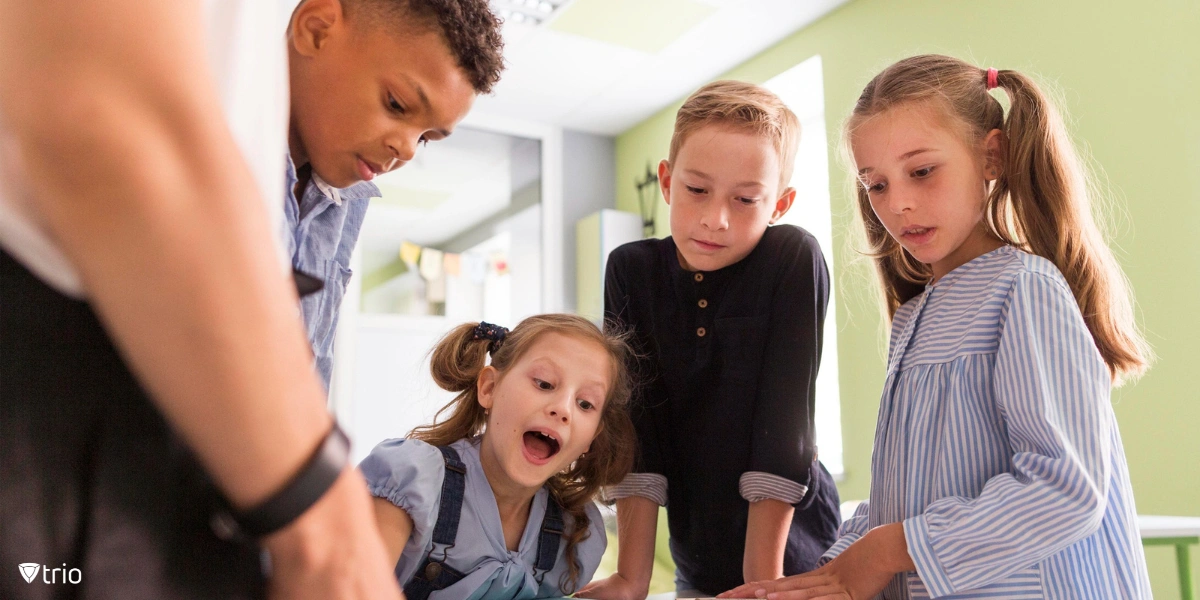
[[1180, 532], [1155, 530]]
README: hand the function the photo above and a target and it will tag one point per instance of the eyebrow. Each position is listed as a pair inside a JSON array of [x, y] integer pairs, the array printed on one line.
[[706, 177], [905, 156], [597, 384], [912, 153], [424, 100]]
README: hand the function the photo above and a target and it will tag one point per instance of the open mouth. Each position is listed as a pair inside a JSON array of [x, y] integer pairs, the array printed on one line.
[[540, 445], [918, 234]]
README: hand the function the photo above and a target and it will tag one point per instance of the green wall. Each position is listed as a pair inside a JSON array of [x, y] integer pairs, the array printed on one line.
[[1129, 76]]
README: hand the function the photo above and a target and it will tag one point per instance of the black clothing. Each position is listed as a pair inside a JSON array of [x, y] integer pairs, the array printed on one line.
[[90, 473], [727, 386]]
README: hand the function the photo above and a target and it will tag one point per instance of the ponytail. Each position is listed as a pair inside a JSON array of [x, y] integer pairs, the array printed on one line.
[[1039, 203], [455, 364], [1045, 184]]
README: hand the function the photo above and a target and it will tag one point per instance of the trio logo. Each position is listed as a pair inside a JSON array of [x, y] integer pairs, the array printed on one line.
[[30, 572]]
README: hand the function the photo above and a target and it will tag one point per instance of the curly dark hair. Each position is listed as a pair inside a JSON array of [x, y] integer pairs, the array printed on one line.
[[470, 28]]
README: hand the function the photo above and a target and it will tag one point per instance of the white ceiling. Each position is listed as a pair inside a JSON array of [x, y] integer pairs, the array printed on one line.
[[566, 76], [574, 80]]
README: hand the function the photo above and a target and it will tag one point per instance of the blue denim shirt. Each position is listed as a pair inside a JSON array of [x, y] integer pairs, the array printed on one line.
[[321, 230]]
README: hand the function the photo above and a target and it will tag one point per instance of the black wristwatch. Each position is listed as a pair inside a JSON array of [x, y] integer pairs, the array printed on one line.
[[306, 487]]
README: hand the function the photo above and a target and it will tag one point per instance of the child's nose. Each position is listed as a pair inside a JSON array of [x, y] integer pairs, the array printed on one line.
[[714, 216], [404, 145], [404, 151], [900, 201], [559, 408]]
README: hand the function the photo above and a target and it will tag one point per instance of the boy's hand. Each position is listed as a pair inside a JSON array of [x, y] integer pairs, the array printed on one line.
[[333, 551], [858, 573], [614, 587]]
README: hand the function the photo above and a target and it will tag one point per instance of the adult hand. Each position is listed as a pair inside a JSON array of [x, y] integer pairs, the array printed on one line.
[[333, 550], [614, 587], [858, 573]]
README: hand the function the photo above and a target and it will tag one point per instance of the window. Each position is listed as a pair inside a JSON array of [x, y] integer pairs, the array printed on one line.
[[801, 88]]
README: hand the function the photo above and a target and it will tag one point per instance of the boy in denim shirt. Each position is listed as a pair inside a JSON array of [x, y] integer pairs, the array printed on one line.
[[370, 81]]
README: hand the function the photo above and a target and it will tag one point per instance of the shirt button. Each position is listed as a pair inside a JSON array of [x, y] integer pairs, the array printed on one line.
[[703, 303], [433, 571], [699, 277], [701, 331]]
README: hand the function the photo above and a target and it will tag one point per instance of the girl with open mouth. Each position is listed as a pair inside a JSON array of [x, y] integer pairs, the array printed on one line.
[[494, 500]]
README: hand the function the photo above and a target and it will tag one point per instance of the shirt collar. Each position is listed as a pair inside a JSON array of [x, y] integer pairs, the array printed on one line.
[[975, 263], [358, 191]]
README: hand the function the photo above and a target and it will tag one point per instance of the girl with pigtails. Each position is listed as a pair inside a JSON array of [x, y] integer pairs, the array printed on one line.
[[494, 500], [998, 470]]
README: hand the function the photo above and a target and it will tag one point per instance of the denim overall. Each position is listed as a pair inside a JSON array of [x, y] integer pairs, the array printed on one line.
[[434, 574]]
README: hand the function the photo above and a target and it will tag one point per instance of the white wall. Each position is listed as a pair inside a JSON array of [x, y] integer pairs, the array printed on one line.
[[589, 176]]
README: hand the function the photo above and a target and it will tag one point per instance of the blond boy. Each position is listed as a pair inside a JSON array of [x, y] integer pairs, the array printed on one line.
[[727, 315]]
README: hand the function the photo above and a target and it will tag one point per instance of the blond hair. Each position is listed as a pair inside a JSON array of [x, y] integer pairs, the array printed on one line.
[[456, 363], [1039, 203], [742, 106]]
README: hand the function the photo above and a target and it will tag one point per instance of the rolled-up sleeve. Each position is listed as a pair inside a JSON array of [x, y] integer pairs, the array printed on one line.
[[783, 436], [645, 485], [756, 486]]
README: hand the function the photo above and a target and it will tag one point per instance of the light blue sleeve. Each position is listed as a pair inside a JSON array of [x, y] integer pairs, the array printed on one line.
[[1052, 388], [851, 530], [408, 473]]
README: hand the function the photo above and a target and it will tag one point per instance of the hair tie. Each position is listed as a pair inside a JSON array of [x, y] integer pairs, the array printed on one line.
[[488, 331], [992, 76]]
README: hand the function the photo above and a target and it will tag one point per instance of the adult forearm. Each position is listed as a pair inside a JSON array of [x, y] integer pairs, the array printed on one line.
[[767, 529], [128, 164]]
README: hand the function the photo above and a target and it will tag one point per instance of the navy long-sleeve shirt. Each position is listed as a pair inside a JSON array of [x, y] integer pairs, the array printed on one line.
[[727, 386]]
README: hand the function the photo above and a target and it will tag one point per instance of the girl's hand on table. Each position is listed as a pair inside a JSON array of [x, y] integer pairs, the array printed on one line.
[[858, 573], [614, 587]]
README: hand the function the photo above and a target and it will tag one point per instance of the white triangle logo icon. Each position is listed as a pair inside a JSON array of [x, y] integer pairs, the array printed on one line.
[[29, 571]]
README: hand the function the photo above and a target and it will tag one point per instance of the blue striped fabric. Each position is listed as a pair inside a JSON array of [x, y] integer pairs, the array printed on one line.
[[997, 446]]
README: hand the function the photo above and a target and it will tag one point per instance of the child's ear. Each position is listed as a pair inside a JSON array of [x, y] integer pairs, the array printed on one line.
[[783, 204], [485, 386], [312, 24], [664, 180], [994, 148]]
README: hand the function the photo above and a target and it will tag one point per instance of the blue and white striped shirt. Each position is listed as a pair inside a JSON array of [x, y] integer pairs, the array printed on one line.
[[997, 446]]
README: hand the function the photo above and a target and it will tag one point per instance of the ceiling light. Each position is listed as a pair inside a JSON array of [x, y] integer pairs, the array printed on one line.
[[527, 12]]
